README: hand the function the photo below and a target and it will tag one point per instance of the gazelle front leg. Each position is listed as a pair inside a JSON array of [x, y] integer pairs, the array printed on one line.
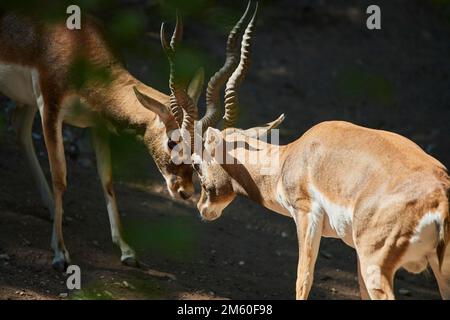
[[442, 275], [52, 127], [309, 232], [23, 118], [100, 141]]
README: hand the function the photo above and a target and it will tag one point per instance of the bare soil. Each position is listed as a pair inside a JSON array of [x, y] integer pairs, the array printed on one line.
[[314, 61]]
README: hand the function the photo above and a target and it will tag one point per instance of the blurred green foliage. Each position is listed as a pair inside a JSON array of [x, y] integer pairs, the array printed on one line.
[[186, 7], [443, 8], [131, 161], [358, 85], [95, 291], [172, 238], [126, 27], [82, 72], [143, 288]]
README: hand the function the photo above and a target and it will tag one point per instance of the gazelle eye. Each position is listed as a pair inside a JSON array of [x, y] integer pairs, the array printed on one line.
[[171, 144]]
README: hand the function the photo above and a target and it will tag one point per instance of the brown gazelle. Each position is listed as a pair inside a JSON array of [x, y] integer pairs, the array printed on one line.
[[377, 191], [35, 64]]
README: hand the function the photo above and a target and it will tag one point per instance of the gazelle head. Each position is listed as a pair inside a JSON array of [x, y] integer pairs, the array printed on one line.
[[179, 120], [217, 177]]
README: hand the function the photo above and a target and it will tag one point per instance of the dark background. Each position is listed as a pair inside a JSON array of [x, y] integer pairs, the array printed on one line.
[[313, 60]]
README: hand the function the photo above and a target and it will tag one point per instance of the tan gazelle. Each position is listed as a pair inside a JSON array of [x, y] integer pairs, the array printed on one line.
[[377, 191], [35, 65]]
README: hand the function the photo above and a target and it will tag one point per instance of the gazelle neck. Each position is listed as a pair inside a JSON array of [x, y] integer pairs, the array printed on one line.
[[117, 102], [257, 173]]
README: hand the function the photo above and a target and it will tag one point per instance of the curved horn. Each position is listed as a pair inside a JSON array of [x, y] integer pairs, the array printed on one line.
[[174, 107], [231, 98], [181, 104], [217, 81], [177, 33]]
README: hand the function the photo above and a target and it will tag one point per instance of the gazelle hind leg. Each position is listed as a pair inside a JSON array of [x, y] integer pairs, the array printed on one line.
[[377, 275], [309, 232], [100, 141], [23, 118], [443, 275]]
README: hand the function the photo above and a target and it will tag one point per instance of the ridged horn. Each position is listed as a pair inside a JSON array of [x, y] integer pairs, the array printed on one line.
[[181, 104], [217, 81], [231, 97]]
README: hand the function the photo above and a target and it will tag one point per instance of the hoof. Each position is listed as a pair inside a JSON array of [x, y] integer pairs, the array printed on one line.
[[131, 262], [60, 265]]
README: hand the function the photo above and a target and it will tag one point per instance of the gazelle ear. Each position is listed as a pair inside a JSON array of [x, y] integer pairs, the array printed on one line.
[[257, 132], [213, 137], [153, 105], [196, 85]]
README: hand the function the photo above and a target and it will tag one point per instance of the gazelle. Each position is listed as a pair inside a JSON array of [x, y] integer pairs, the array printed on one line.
[[35, 63], [377, 191]]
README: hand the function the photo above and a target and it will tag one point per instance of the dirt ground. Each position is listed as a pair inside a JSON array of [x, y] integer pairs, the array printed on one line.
[[313, 60]]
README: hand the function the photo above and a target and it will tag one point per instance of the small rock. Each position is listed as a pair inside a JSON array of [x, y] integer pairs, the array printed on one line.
[[284, 234], [108, 294], [128, 285], [63, 295], [404, 292], [326, 255], [4, 257], [241, 263], [334, 290], [95, 242], [68, 218]]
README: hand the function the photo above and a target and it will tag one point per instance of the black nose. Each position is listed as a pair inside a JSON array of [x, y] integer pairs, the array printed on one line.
[[183, 195]]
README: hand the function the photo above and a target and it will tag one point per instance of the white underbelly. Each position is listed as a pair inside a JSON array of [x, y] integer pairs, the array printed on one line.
[[343, 232], [21, 84], [16, 83], [337, 219]]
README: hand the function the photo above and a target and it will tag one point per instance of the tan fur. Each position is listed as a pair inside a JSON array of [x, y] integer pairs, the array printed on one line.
[[382, 182], [50, 49]]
